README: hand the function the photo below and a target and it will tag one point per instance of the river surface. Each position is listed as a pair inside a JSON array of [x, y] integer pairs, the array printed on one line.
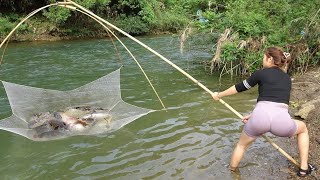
[[192, 140]]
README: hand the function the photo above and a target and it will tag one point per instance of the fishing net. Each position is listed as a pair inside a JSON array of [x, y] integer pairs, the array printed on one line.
[[43, 114]]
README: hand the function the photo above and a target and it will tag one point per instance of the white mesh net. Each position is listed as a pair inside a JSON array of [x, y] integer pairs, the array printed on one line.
[[43, 114]]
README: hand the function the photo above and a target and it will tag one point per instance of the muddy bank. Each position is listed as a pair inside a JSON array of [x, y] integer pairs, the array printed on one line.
[[49, 37], [305, 106]]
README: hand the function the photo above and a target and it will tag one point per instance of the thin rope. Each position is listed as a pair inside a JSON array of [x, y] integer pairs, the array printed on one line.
[[4, 50], [116, 49]]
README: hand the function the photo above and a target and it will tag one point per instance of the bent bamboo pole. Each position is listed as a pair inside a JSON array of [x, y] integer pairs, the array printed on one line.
[[182, 71], [68, 6]]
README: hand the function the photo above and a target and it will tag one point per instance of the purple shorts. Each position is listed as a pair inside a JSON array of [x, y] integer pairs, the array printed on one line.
[[270, 117]]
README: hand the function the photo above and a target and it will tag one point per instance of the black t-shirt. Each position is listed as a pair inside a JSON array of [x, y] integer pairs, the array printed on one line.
[[274, 85]]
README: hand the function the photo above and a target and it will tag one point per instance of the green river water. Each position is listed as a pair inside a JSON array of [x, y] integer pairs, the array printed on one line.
[[192, 140]]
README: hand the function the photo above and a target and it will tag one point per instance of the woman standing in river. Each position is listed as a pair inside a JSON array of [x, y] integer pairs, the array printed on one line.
[[271, 111]]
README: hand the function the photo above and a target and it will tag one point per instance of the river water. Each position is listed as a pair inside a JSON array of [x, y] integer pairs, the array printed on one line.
[[192, 140]]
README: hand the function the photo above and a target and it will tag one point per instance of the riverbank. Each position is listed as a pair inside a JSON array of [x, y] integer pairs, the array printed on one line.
[[29, 37], [305, 106]]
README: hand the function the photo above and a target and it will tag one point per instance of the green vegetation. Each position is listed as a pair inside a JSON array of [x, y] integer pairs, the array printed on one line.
[[248, 26], [137, 17], [257, 24]]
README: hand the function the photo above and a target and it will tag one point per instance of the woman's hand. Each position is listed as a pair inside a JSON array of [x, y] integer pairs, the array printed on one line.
[[215, 96], [246, 118]]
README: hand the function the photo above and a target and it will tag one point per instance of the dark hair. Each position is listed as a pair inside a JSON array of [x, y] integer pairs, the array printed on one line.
[[280, 58]]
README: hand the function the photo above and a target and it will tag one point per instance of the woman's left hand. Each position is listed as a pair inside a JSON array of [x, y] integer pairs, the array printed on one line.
[[246, 118]]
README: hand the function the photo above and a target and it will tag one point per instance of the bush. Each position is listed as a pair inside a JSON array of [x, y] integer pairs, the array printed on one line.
[[9, 22], [132, 24], [293, 25], [6, 26], [57, 14], [230, 52], [170, 21]]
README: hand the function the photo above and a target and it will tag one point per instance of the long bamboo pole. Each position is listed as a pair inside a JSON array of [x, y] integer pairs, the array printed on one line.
[[182, 71]]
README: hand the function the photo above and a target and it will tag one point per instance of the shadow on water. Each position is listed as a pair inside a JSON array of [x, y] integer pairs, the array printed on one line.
[[192, 140]]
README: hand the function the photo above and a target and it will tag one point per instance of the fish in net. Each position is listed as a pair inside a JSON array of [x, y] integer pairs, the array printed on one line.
[[44, 114]]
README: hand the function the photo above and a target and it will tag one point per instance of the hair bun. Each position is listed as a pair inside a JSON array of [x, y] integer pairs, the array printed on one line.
[[286, 54]]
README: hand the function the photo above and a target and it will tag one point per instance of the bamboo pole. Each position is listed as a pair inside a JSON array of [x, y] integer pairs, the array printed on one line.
[[69, 5], [182, 71]]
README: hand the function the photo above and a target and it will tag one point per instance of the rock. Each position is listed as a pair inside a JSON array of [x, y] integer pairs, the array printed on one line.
[[304, 111], [306, 108]]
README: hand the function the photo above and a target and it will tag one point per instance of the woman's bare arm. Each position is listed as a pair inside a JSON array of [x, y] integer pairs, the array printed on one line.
[[230, 91]]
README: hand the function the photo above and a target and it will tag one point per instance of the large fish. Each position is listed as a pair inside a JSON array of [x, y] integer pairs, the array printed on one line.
[[73, 119]]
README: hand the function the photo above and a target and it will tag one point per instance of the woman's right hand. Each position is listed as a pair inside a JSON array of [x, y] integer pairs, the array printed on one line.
[[215, 96], [246, 118]]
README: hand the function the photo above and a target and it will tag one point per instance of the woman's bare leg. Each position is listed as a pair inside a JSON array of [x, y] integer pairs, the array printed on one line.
[[240, 149], [303, 143]]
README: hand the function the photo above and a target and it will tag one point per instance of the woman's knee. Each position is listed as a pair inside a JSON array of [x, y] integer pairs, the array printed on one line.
[[242, 146], [245, 141], [302, 127]]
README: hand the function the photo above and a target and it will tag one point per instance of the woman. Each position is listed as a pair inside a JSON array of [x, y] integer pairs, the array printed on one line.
[[271, 111]]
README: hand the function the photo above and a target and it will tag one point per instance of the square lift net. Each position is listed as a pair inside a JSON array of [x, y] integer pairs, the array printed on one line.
[[43, 114]]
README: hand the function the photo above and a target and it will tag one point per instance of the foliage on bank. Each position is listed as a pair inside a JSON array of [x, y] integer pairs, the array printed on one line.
[[255, 25], [237, 30], [135, 17]]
